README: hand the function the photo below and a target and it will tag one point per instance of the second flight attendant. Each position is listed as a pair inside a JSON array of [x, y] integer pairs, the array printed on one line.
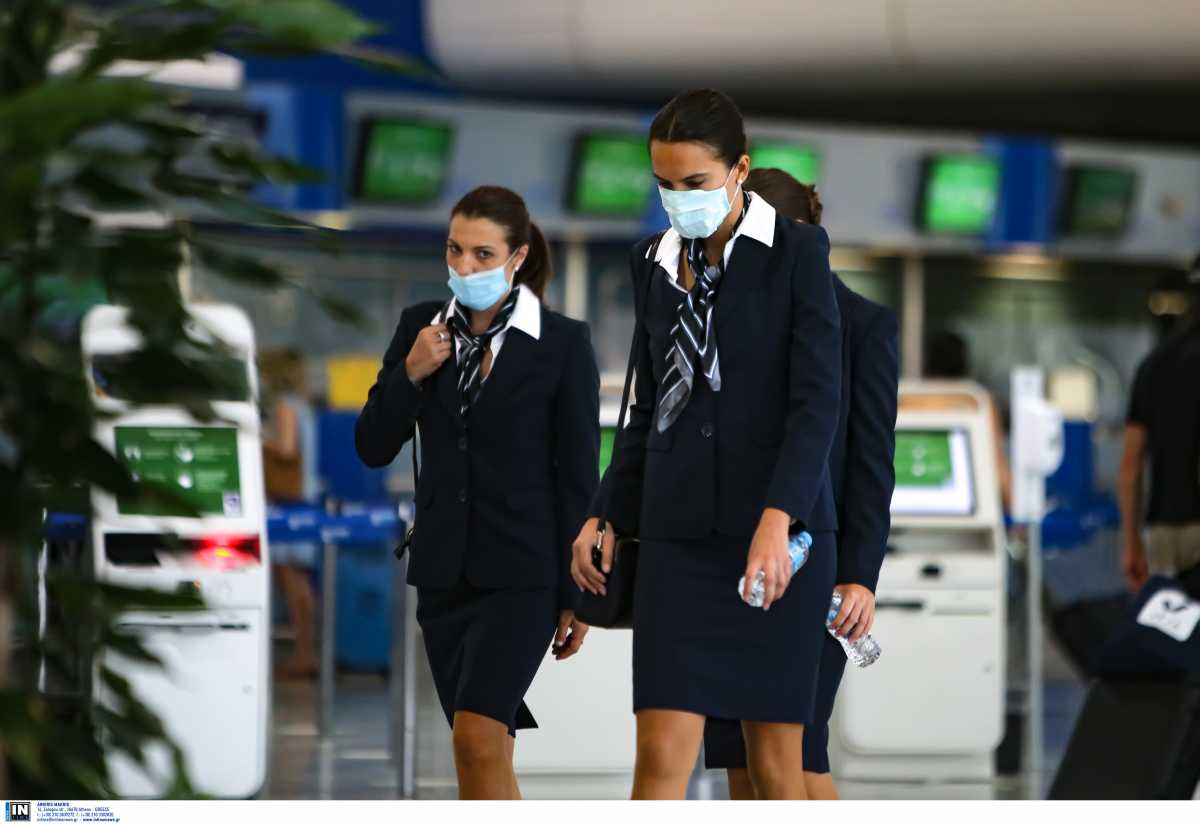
[[725, 453], [506, 397]]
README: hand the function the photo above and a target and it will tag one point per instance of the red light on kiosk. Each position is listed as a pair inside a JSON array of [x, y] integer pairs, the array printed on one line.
[[227, 553]]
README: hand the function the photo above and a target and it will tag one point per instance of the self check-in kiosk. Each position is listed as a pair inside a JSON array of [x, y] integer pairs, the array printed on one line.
[[932, 707], [213, 693]]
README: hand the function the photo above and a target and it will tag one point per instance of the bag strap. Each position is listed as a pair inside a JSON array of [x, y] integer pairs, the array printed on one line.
[[651, 254]]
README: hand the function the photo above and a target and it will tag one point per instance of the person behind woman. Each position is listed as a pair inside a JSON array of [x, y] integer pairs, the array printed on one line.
[[289, 474], [725, 454], [862, 469], [506, 396]]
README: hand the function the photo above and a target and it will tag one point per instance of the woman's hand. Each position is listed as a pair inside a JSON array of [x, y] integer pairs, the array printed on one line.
[[429, 351], [569, 638], [769, 553], [583, 571], [857, 615]]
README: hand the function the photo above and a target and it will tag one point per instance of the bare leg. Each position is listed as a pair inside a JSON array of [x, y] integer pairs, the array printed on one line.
[[820, 786], [668, 742], [481, 758], [297, 591], [511, 743], [741, 788], [776, 757]]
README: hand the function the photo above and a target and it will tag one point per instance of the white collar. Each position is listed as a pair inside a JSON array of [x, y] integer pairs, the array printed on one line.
[[526, 316], [759, 223]]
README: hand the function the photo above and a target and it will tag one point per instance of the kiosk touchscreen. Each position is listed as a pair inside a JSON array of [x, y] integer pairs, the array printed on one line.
[[196, 525], [933, 473]]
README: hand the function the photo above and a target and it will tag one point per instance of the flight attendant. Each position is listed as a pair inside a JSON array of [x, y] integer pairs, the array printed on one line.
[[725, 454], [862, 469], [505, 394]]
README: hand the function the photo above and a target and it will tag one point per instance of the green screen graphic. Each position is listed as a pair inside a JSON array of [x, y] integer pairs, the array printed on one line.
[[800, 161], [960, 194], [197, 464], [405, 162], [612, 176], [608, 436], [1101, 201], [923, 458]]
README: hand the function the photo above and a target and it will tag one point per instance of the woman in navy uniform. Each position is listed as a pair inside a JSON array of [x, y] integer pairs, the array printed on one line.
[[862, 468], [505, 394], [725, 455]]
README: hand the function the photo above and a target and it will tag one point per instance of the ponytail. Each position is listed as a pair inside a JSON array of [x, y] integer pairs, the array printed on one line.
[[505, 208], [537, 271], [790, 197]]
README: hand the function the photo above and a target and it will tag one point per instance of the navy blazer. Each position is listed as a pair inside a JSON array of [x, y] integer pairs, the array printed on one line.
[[862, 460], [763, 440], [501, 501]]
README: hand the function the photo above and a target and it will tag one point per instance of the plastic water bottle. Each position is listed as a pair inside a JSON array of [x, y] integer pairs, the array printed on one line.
[[798, 546], [862, 653]]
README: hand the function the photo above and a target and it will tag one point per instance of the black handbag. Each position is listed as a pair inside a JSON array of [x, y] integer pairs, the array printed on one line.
[[405, 545], [614, 609]]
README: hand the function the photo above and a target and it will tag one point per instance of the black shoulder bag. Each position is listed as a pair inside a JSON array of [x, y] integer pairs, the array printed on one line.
[[614, 609], [405, 545]]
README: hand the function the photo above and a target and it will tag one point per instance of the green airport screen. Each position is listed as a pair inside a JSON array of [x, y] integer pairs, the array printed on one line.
[[197, 465], [608, 436], [404, 161], [923, 458], [611, 175], [800, 161], [960, 194], [1100, 201]]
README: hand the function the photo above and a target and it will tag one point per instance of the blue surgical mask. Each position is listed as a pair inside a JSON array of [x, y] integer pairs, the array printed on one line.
[[697, 212], [480, 290]]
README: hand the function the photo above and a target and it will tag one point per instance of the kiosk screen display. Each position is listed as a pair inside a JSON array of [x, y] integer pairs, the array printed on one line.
[[933, 473], [194, 465]]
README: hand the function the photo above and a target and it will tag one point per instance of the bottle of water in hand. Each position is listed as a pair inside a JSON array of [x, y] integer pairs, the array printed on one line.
[[798, 546], [862, 653]]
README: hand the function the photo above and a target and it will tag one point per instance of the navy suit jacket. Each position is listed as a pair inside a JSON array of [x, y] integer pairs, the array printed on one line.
[[764, 439], [862, 460], [501, 501]]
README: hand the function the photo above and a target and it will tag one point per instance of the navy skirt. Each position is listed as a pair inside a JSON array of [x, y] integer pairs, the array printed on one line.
[[697, 647], [485, 647]]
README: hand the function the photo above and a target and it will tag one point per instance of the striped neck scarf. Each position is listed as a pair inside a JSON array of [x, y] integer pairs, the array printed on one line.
[[694, 338], [471, 347]]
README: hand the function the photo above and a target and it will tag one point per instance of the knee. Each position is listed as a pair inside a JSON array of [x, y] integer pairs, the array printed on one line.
[[659, 757], [478, 743]]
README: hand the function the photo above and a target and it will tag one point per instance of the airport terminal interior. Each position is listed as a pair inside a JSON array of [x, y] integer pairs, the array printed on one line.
[[1020, 190]]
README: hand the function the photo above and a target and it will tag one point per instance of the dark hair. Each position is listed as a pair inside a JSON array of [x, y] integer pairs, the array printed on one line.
[[702, 116], [790, 197], [946, 356], [505, 208]]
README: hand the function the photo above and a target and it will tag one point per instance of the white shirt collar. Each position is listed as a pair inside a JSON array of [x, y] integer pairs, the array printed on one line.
[[759, 224], [526, 316]]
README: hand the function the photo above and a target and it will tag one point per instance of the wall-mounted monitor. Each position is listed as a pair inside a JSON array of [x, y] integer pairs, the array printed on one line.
[[800, 160], [402, 161], [1097, 201], [934, 475], [610, 175], [194, 465], [958, 193]]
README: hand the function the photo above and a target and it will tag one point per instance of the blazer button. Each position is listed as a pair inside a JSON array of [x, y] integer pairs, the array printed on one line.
[[462, 443], [462, 496], [707, 430]]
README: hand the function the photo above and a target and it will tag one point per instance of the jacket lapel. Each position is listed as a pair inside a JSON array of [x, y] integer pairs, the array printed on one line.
[[516, 355], [744, 272]]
